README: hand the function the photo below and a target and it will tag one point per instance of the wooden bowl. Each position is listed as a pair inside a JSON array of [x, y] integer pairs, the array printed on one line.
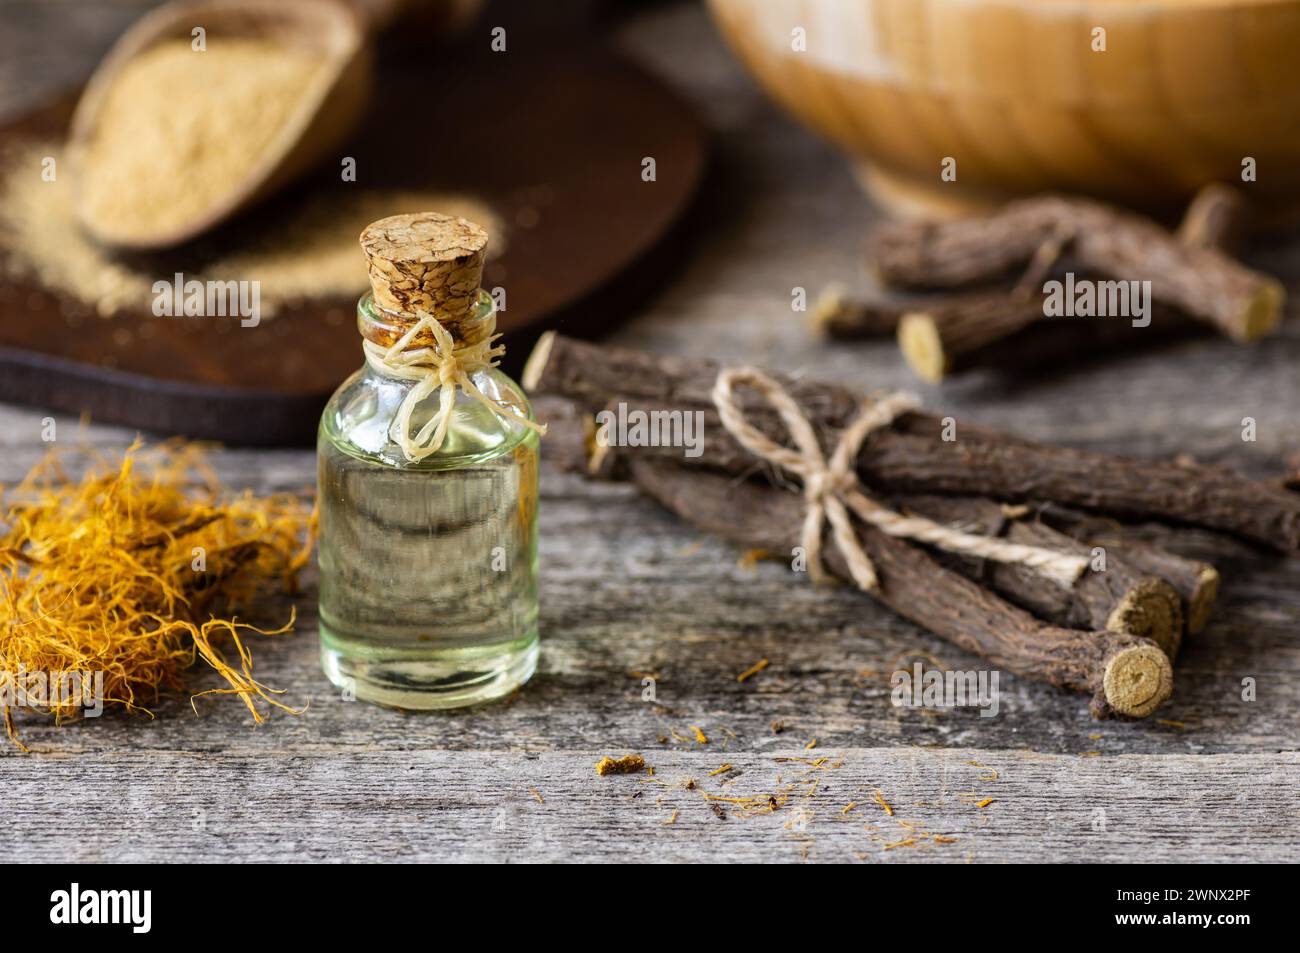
[[1013, 90]]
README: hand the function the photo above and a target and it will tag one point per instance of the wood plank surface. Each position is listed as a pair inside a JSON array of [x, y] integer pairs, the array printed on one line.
[[628, 590], [350, 804]]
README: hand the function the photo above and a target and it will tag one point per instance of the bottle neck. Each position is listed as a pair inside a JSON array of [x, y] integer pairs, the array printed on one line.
[[386, 328]]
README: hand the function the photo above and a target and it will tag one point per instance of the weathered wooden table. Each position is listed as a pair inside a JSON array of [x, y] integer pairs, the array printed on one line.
[[629, 591]]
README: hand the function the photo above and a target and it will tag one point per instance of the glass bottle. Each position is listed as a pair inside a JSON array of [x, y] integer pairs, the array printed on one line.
[[428, 556]]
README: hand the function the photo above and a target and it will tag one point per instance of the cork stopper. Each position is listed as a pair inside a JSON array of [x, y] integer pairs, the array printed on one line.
[[427, 262]]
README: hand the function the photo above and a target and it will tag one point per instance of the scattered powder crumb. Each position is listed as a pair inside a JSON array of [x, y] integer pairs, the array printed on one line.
[[628, 764], [537, 795], [778, 727], [810, 745], [1098, 737], [44, 241], [752, 670], [314, 253], [310, 254], [700, 736], [690, 784], [750, 558]]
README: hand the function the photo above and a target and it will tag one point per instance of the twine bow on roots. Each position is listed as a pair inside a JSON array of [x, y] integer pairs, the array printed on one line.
[[443, 367], [832, 489]]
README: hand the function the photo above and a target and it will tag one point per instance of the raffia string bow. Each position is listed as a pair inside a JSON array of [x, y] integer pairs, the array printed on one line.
[[832, 489], [443, 367]]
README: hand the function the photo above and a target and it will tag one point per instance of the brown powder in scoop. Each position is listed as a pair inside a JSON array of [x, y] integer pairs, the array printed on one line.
[[180, 130]]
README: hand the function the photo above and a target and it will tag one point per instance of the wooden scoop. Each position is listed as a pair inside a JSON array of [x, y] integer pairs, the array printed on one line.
[[325, 114]]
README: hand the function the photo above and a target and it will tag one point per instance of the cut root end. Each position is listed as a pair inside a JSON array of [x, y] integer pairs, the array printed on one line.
[[1152, 610], [535, 366], [1137, 680], [1201, 602], [1262, 313], [922, 346], [827, 309]]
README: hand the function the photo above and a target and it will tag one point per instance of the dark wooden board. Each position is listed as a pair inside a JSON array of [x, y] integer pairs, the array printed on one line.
[[562, 133]]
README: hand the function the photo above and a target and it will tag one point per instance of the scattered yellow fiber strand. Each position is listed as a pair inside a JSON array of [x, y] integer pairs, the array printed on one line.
[[137, 571]]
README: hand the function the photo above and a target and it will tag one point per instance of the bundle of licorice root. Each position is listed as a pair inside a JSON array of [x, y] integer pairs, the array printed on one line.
[[994, 543], [1052, 279]]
